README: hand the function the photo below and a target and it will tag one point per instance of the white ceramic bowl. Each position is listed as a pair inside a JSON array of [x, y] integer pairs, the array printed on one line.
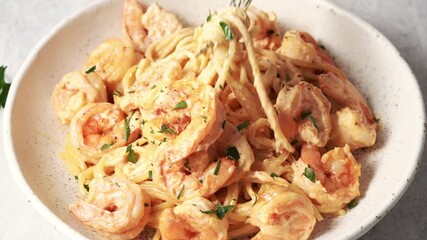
[[33, 136]]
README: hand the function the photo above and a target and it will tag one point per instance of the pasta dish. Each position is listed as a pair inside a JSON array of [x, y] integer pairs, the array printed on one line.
[[225, 130]]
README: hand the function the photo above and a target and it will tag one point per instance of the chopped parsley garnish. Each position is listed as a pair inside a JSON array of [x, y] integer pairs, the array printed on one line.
[[218, 166], [222, 87], [127, 128], [4, 87], [106, 146], [377, 120], [309, 173], [352, 204], [232, 153], [86, 187], [243, 125], [131, 154], [220, 210], [186, 166], [132, 91], [180, 105], [274, 175], [151, 130], [180, 192], [117, 93], [150, 175], [313, 120], [270, 32], [223, 124], [92, 69], [322, 46], [205, 119], [76, 177], [209, 17], [305, 115], [227, 31], [153, 87], [164, 129], [146, 205], [294, 142], [287, 77]]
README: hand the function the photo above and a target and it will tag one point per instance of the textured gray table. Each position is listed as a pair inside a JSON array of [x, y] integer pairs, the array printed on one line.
[[404, 22]]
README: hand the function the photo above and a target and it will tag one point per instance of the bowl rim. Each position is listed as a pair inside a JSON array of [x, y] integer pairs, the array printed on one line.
[[70, 232]]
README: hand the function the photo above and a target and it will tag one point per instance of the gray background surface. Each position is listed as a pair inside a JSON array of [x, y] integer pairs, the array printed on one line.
[[24, 22]]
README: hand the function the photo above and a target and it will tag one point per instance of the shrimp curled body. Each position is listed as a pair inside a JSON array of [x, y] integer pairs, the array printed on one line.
[[186, 221], [115, 207]]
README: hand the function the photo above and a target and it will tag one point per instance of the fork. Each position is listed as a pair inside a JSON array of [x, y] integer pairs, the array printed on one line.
[[240, 3]]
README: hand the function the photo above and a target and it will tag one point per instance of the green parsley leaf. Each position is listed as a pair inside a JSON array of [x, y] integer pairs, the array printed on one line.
[[232, 153], [180, 192], [377, 120], [180, 105], [106, 146], [218, 166], [146, 205], [132, 91], [313, 120], [220, 210], [256, 200], [165, 129], [150, 175], [127, 128], [309, 173], [352, 204], [227, 31], [186, 166], [153, 87], [274, 175], [294, 142], [322, 46], [305, 115], [243, 125], [92, 69], [76, 177], [270, 32], [223, 124], [209, 17], [131, 154], [86, 187], [117, 93], [4, 87]]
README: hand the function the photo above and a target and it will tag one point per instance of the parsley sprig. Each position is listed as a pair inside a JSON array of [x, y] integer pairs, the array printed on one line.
[[127, 128], [220, 210], [4, 87], [131, 154], [227, 31]]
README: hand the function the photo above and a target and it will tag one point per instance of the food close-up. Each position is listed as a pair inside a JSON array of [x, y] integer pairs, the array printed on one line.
[[234, 128]]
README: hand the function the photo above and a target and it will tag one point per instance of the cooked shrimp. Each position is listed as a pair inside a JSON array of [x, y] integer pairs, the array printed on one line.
[[263, 28], [304, 114], [282, 213], [336, 177], [146, 28], [196, 175], [186, 116], [231, 137], [186, 221], [74, 91], [302, 46], [349, 127], [142, 83], [115, 208], [134, 163], [344, 93], [99, 124], [111, 59]]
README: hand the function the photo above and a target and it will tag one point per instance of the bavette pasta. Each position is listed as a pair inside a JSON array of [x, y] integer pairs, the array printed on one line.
[[226, 130]]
